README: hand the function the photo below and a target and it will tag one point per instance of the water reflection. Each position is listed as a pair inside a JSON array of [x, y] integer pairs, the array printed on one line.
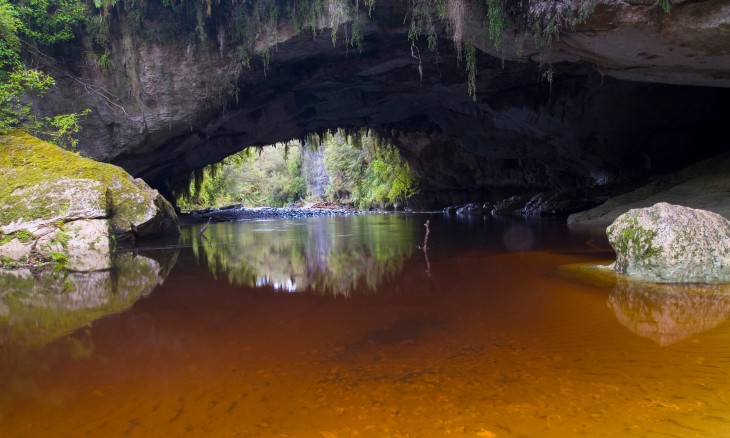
[[327, 255], [668, 313], [37, 307], [664, 313]]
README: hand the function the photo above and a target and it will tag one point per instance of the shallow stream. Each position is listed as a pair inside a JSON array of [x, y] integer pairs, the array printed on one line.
[[345, 326]]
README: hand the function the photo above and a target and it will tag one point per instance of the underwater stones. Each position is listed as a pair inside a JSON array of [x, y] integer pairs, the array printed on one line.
[[56, 206], [672, 244]]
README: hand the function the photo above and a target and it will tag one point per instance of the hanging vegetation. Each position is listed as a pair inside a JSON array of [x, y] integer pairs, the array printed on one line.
[[355, 169]]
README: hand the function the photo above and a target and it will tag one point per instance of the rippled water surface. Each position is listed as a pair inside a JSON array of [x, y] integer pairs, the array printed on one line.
[[339, 327]]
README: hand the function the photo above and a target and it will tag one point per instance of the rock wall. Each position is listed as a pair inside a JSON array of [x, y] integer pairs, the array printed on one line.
[[605, 118]]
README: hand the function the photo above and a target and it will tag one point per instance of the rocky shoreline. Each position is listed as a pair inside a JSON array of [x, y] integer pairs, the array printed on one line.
[[238, 212]]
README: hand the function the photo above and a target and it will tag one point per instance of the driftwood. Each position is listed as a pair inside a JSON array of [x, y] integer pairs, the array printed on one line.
[[428, 231], [205, 227], [425, 247]]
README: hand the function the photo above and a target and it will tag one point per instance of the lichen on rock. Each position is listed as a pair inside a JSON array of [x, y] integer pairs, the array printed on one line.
[[672, 244], [56, 206]]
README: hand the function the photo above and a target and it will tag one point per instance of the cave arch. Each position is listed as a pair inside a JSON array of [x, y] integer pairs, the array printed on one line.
[[609, 116]]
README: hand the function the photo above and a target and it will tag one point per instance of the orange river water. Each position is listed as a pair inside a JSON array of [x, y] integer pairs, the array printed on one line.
[[486, 334]]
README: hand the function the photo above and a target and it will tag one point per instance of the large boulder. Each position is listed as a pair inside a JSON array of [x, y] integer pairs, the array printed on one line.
[[58, 206], [672, 244]]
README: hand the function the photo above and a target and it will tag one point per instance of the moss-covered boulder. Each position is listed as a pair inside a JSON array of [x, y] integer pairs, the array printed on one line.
[[58, 206], [672, 244]]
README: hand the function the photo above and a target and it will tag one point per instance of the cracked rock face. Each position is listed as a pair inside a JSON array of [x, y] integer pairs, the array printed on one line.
[[635, 93]]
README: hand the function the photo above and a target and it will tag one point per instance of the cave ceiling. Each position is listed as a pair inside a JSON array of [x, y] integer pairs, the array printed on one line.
[[631, 93]]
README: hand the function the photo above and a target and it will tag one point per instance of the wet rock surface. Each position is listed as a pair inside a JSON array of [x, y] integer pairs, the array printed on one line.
[[672, 244], [551, 203], [704, 185]]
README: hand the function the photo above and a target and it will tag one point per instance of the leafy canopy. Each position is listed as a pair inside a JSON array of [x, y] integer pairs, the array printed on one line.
[[33, 22], [358, 170]]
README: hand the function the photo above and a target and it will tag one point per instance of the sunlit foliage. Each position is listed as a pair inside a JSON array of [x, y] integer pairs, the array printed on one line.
[[32, 23], [356, 170]]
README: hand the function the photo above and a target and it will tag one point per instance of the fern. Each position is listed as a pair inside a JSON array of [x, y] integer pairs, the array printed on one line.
[[664, 4]]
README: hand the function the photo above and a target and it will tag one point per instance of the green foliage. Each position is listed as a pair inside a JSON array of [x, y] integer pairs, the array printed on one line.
[[547, 19], [346, 166], [59, 258], [46, 22], [424, 14], [390, 177], [271, 177], [495, 21], [50, 21], [664, 4], [14, 86], [24, 236], [634, 242], [10, 25], [103, 62], [471, 69], [59, 129], [366, 174], [359, 170]]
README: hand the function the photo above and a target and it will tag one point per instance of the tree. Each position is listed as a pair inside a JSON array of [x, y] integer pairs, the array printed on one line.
[[41, 22], [357, 169]]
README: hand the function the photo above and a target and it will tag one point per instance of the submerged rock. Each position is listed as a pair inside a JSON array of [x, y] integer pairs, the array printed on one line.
[[58, 206], [672, 244]]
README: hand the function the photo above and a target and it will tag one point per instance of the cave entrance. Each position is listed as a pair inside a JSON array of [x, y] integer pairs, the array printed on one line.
[[340, 168]]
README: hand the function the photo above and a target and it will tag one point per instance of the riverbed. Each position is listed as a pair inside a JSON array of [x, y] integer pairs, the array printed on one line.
[[351, 326]]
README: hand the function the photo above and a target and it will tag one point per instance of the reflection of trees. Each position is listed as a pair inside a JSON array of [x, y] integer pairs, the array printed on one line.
[[37, 307], [667, 313], [337, 255]]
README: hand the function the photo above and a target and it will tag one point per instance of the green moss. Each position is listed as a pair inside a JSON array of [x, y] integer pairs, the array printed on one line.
[[635, 242], [28, 162], [59, 258], [61, 238], [8, 263], [664, 4]]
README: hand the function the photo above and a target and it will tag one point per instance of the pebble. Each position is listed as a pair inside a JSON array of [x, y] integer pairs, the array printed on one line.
[[242, 213]]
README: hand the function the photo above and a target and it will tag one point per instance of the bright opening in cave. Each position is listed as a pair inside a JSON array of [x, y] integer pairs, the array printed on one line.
[[353, 170]]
